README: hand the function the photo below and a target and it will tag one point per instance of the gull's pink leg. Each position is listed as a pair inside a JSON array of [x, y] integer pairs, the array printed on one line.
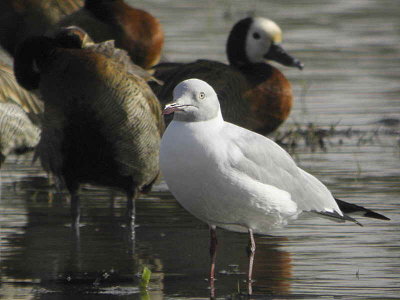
[[213, 255], [251, 250]]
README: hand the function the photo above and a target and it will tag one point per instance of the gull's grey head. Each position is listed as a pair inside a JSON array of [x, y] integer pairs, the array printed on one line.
[[194, 101]]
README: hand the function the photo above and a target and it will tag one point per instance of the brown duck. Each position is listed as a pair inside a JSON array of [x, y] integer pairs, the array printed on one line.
[[252, 93], [20, 19], [76, 37], [102, 125], [133, 29]]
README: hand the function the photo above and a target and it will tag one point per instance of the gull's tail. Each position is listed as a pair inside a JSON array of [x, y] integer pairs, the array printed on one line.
[[334, 216]]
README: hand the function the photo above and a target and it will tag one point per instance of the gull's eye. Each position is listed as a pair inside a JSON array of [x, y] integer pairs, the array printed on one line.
[[202, 95], [256, 36]]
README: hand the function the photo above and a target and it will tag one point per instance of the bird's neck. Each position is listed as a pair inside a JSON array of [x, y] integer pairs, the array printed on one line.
[[211, 125]]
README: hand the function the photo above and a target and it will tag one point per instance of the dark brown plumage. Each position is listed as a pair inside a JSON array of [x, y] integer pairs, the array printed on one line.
[[133, 29], [20, 19], [253, 94], [76, 37], [102, 125]]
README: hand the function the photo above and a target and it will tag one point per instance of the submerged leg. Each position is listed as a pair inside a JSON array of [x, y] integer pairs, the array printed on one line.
[[251, 249], [2, 159], [73, 188], [213, 256], [75, 209], [131, 211]]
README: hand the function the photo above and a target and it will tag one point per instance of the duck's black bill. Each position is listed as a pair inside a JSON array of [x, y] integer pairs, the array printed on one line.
[[278, 54]]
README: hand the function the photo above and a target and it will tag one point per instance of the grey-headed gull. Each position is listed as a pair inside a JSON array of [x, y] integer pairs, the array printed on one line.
[[234, 178]]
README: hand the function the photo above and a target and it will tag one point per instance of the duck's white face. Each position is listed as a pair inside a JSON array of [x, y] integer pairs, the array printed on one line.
[[261, 35]]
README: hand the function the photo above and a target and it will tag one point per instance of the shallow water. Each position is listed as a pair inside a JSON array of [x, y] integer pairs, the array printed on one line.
[[351, 80]]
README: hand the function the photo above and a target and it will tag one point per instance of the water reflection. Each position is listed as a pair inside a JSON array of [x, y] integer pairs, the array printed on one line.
[[45, 252], [50, 250]]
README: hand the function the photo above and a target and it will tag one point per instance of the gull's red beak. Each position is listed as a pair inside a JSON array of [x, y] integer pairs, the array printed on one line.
[[170, 108]]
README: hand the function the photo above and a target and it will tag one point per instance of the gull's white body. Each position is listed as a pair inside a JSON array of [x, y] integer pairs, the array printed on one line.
[[236, 179], [233, 178]]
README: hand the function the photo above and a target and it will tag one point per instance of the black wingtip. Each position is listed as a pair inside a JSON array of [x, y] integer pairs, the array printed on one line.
[[375, 215], [349, 208]]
